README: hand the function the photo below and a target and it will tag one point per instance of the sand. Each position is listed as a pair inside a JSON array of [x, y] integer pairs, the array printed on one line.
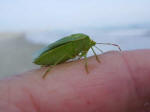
[[16, 54]]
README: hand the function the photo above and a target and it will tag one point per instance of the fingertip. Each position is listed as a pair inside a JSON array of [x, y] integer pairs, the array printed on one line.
[[138, 65]]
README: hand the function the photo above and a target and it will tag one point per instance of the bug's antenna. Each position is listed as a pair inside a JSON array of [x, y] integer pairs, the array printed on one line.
[[112, 45], [99, 49]]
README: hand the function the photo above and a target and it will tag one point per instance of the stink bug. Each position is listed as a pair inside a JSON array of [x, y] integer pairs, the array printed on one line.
[[67, 48]]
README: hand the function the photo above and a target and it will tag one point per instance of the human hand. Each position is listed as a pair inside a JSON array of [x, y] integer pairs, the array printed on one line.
[[120, 83]]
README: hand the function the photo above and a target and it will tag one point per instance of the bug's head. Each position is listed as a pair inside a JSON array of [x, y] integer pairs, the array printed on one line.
[[92, 43]]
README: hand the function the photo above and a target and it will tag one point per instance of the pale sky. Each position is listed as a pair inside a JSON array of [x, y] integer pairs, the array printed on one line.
[[26, 15]]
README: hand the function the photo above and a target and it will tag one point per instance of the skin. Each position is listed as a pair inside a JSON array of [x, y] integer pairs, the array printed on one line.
[[119, 84]]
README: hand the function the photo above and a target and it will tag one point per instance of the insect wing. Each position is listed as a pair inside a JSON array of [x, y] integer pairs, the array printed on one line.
[[60, 42]]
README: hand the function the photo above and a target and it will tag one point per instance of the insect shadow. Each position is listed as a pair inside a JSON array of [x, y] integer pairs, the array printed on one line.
[[69, 47]]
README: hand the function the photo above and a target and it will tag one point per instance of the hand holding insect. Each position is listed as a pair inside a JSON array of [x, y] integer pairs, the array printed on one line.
[[67, 48]]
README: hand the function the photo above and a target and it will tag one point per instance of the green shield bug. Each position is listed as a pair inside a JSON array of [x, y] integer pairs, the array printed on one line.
[[67, 48]]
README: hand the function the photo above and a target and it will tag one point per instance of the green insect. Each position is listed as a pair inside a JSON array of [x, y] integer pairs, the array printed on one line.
[[69, 47]]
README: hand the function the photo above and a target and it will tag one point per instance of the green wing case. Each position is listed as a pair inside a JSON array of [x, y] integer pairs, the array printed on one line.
[[60, 42]]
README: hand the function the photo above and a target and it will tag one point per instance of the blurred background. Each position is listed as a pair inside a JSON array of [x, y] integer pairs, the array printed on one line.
[[28, 25]]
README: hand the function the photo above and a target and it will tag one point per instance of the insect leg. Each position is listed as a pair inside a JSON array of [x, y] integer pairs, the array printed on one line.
[[95, 55], [48, 70], [112, 45], [86, 63], [45, 74], [99, 49]]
